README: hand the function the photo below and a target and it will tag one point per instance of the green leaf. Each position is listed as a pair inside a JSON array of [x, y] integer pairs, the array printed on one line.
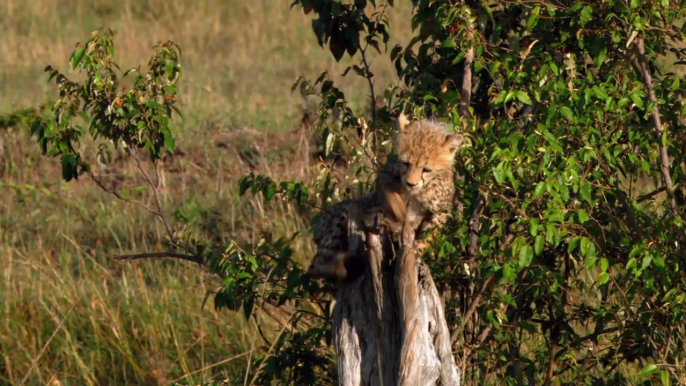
[[533, 226], [600, 57], [448, 43], [508, 274], [69, 163], [651, 368], [539, 190], [631, 264], [586, 191], [636, 98], [169, 142], [337, 49], [582, 216], [587, 247], [153, 105], [600, 93], [269, 191], [129, 70], [539, 243], [526, 256], [567, 113], [675, 84], [586, 15], [499, 172], [77, 57], [533, 18], [523, 97], [573, 243], [603, 278], [248, 304], [664, 374], [604, 264]]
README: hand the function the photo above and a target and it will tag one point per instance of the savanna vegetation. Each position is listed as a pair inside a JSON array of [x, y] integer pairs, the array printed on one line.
[[143, 322], [563, 263]]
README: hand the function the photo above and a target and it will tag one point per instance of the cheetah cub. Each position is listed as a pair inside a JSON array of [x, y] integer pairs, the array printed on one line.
[[330, 234], [422, 170]]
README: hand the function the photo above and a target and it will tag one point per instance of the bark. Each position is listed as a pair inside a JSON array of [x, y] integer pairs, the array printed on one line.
[[665, 163], [466, 93], [389, 324]]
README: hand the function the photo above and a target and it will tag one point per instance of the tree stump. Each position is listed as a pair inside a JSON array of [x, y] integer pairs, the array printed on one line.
[[389, 324]]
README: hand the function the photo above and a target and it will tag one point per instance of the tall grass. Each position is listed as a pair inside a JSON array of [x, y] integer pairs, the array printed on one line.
[[71, 315]]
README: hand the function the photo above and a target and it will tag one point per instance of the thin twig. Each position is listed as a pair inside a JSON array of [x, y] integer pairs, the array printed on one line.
[[474, 226], [264, 337], [648, 196], [472, 308], [368, 75], [156, 212], [466, 94], [174, 255], [272, 311], [632, 313], [158, 203], [119, 196], [664, 155], [522, 302]]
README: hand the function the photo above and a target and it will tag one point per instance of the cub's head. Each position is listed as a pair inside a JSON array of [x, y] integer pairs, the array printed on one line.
[[426, 149]]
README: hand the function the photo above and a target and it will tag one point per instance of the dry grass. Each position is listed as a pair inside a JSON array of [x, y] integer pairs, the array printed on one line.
[[70, 314]]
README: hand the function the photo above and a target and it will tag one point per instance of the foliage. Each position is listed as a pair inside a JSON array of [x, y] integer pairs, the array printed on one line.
[[137, 117], [577, 264], [570, 243]]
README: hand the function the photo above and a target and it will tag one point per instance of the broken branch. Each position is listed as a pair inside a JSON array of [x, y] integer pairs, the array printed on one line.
[[174, 255]]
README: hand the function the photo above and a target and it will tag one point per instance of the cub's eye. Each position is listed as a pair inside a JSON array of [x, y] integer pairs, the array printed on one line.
[[407, 164], [427, 170]]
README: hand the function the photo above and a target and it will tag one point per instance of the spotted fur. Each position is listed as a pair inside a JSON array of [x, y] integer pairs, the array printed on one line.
[[330, 234], [422, 170]]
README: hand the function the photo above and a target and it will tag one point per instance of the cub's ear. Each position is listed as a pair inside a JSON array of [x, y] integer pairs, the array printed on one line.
[[453, 142], [403, 122]]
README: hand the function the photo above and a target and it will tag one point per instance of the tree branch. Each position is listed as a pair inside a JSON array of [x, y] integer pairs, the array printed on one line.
[[466, 94], [160, 212], [174, 255], [659, 131], [116, 194], [472, 308], [648, 196], [279, 316], [368, 75], [474, 226]]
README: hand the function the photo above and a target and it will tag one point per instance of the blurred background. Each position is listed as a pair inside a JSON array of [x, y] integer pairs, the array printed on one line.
[[69, 314]]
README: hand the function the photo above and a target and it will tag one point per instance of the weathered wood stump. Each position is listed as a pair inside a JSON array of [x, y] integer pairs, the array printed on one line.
[[389, 324]]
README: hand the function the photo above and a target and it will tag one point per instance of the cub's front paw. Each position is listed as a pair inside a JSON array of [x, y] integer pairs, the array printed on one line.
[[420, 246]]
